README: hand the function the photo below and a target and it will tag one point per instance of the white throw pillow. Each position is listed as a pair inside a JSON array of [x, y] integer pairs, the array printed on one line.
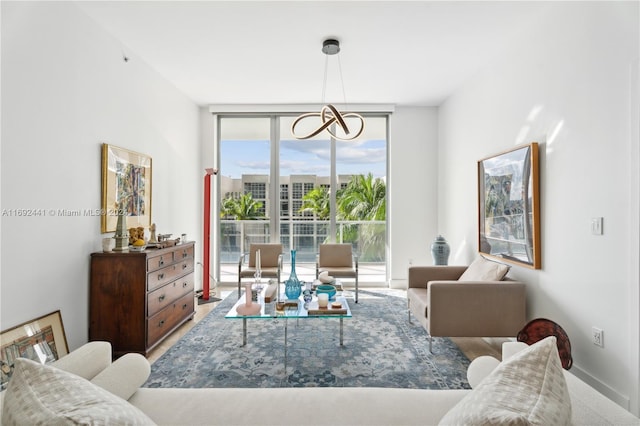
[[482, 269], [42, 394], [527, 389]]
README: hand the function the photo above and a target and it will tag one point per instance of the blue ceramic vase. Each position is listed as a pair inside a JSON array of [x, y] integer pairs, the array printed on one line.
[[293, 286], [440, 251]]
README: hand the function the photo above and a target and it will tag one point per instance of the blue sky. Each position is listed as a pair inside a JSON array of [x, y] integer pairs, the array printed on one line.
[[239, 157]]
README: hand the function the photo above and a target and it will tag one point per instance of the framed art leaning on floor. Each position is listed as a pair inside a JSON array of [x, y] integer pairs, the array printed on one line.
[[509, 206], [42, 340]]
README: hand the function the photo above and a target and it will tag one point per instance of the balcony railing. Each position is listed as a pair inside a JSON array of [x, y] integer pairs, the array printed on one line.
[[368, 238]]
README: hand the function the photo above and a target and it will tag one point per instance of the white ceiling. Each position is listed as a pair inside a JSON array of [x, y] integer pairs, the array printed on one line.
[[268, 52]]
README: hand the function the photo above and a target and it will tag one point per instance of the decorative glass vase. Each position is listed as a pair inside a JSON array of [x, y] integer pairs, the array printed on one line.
[[293, 286]]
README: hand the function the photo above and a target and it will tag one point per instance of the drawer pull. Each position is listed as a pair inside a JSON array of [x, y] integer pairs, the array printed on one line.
[[161, 323], [185, 254], [184, 284], [161, 262], [160, 276], [161, 298], [184, 266], [184, 306]]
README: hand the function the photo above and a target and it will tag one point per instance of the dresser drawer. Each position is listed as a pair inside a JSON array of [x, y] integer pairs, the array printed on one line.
[[163, 296], [167, 274], [160, 261], [183, 253], [168, 318]]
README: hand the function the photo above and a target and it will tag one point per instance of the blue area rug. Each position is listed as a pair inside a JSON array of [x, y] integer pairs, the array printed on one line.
[[381, 349]]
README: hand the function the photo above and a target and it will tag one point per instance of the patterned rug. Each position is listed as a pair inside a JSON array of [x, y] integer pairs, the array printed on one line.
[[381, 349]]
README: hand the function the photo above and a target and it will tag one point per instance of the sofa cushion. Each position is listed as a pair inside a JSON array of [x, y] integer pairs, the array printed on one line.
[[482, 269], [42, 394], [527, 389]]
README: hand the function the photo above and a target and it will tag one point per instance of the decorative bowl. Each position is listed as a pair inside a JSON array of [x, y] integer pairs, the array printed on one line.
[[137, 248], [326, 288]]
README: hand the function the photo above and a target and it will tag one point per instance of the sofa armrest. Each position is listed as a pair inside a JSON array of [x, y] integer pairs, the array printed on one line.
[[124, 376], [419, 276], [86, 361], [476, 308]]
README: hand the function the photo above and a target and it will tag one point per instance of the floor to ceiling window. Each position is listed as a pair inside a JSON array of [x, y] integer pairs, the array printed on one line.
[[301, 193]]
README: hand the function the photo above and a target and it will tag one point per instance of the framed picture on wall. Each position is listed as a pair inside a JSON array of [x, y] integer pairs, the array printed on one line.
[[42, 340], [126, 184], [509, 206]]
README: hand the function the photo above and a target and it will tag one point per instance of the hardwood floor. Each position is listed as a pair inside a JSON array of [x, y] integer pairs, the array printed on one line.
[[472, 347]]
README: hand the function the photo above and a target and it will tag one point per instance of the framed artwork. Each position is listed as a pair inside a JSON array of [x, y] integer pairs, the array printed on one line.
[[126, 184], [509, 206], [42, 340]]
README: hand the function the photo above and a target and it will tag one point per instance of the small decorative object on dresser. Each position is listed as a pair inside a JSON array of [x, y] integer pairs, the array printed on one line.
[[137, 299], [122, 235], [152, 238]]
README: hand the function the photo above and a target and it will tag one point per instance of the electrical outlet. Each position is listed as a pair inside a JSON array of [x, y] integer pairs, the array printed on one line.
[[597, 336], [596, 225]]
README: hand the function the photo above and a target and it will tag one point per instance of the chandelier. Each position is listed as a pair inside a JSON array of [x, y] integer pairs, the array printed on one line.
[[329, 115]]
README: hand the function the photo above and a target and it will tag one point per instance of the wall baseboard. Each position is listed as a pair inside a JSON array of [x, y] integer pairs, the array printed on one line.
[[603, 388]]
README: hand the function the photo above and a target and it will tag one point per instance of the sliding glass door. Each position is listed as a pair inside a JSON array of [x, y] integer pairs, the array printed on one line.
[[302, 192]]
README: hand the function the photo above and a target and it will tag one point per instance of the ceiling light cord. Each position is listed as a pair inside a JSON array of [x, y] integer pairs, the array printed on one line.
[[344, 93], [324, 82]]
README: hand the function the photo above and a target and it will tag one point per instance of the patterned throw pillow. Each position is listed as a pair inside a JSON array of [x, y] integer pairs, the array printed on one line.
[[41, 394], [527, 389], [482, 269]]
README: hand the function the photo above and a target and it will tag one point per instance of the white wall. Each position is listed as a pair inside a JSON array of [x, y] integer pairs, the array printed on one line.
[[570, 83], [413, 171], [66, 90]]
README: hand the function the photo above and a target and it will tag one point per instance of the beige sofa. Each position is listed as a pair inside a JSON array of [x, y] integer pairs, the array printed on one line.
[[447, 307], [279, 406]]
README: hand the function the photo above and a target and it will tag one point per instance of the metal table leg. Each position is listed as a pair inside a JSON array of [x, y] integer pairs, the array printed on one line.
[[285, 347], [341, 333], [244, 332]]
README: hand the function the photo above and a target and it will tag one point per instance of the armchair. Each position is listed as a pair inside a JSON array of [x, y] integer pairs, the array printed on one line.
[[338, 261], [446, 307], [270, 262]]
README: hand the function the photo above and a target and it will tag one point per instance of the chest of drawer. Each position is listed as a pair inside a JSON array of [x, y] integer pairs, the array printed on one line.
[[163, 296], [168, 318], [183, 253], [162, 276], [160, 261]]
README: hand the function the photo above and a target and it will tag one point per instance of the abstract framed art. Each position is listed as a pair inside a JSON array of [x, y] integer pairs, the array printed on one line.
[[42, 340], [509, 206], [126, 184]]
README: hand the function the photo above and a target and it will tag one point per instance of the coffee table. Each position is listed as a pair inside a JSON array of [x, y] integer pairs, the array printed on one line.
[[293, 309]]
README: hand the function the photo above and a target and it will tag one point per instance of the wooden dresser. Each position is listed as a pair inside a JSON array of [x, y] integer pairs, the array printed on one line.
[[136, 299]]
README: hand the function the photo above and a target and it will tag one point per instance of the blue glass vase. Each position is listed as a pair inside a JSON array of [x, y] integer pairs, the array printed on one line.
[[293, 286]]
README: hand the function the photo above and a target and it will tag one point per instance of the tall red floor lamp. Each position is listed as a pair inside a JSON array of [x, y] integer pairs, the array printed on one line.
[[207, 232]]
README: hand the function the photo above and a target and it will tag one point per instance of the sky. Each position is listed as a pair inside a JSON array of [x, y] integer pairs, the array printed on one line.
[[239, 157]]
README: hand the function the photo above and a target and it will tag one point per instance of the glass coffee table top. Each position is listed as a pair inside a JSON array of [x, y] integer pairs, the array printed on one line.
[[293, 309]]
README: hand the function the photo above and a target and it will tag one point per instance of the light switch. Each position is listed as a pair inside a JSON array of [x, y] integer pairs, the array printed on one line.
[[596, 225]]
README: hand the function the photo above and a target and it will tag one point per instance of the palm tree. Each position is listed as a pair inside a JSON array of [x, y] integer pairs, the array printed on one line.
[[241, 208], [364, 199], [317, 202]]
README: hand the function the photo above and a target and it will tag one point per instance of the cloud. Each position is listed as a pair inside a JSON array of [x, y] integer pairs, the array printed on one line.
[[357, 152]]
